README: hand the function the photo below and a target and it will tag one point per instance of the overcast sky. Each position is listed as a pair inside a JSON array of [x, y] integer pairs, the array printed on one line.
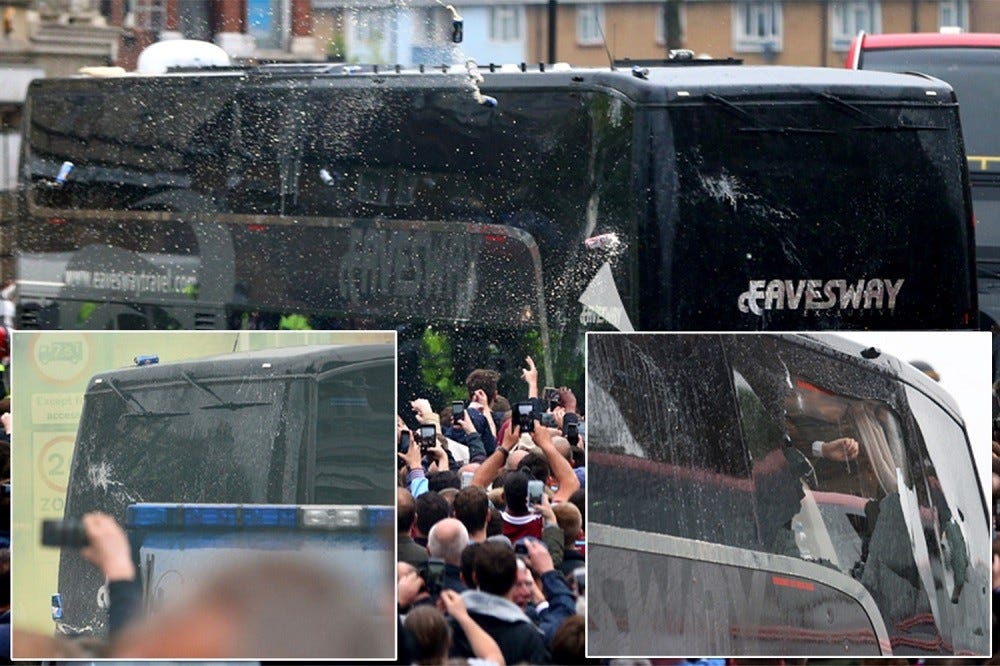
[[963, 359]]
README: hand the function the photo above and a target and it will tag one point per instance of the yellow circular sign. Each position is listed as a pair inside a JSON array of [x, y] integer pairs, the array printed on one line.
[[53, 462]]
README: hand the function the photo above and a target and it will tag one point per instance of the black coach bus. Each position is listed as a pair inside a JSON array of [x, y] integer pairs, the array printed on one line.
[[778, 495], [207, 460], [700, 197]]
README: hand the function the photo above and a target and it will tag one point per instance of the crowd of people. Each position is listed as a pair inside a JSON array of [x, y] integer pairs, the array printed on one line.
[[6, 319], [490, 511]]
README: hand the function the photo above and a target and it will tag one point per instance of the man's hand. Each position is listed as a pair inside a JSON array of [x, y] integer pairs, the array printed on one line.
[[412, 456], [545, 510], [511, 437], [542, 436], [109, 549], [541, 560], [530, 377], [453, 604], [466, 422], [422, 408], [409, 584], [481, 401], [567, 400], [440, 463], [840, 449]]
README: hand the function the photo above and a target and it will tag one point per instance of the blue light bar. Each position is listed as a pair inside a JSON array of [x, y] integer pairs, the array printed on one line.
[[146, 359], [153, 515], [381, 516], [269, 516], [210, 515]]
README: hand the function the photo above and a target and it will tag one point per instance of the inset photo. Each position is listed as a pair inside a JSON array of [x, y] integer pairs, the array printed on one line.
[[788, 495], [213, 495]]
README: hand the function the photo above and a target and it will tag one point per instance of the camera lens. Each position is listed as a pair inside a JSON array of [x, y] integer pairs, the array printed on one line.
[[68, 532]]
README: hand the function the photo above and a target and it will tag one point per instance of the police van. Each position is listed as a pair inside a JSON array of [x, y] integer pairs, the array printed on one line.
[[202, 461]]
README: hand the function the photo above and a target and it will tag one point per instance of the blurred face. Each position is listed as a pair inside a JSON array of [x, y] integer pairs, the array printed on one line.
[[522, 587]]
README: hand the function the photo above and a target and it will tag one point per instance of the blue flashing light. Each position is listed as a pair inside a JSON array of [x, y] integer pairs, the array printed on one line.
[[146, 359], [153, 515], [381, 516], [210, 515], [270, 516], [57, 607]]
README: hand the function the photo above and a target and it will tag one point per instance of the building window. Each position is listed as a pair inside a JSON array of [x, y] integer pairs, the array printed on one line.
[[266, 23], [432, 25], [505, 23], [953, 13], [848, 17], [589, 25], [150, 15], [661, 23], [368, 27], [757, 27]]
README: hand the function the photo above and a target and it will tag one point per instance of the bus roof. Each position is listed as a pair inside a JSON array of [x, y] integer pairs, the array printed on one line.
[[274, 362], [644, 85]]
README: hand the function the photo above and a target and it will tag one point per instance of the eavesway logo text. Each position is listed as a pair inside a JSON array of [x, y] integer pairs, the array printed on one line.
[[861, 294]]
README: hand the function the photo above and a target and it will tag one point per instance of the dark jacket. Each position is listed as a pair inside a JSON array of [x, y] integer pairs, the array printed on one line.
[[519, 639], [572, 560], [489, 440], [408, 550]]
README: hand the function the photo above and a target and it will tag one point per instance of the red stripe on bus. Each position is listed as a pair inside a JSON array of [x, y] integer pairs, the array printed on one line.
[[791, 582]]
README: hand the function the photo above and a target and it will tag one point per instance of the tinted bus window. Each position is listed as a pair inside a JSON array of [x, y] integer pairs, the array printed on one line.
[[411, 208], [974, 73], [659, 441], [951, 520], [880, 218], [352, 411]]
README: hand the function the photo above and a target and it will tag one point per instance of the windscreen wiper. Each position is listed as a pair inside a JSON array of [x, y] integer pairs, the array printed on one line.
[[143, 412], [875, 123], [222, 404], [755, 125]]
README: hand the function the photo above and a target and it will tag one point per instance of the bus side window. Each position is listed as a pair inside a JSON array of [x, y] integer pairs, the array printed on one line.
[[354, 433], [958, 547], [660, 441]]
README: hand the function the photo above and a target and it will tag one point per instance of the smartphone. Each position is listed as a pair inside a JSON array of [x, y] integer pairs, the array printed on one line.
[[404, 441], [525, 412], [426, 437], [535, 490], [457, 411], [571, 428], [466, 479], [551, 396]]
